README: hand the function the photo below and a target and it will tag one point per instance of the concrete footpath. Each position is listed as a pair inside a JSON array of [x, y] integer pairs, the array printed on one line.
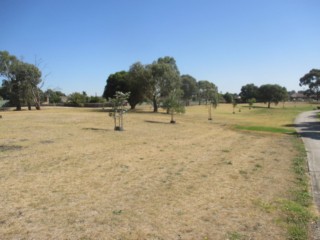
[[308, 126]]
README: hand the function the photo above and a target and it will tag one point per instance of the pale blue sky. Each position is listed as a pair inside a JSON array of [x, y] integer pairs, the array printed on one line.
[[228, 42]]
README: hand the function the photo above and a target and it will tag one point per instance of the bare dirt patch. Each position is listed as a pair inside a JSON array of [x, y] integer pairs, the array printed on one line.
[[192, 180]]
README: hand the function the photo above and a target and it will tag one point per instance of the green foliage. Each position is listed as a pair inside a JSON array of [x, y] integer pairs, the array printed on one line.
[[137, 83], [312, 80], [206, 91], [154, 81], [77, 99], [269, 93], [173, 103], [134, 81], [96, 99], [228, 97], [118, 108], [189, 87], [249, 91], [234, 103], [54, 96], [116, 82], [20, 80], [251, 101], [165, 77]]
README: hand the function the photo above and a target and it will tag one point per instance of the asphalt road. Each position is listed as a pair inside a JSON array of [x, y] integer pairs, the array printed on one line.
[[308, 126]]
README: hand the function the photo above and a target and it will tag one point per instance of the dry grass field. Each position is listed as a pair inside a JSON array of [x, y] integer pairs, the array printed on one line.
[[65, 174]]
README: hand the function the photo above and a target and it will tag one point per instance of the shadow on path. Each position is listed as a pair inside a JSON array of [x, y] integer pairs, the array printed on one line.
[[309, 127]]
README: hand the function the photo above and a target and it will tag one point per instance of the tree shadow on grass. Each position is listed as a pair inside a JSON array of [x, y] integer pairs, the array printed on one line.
[[97, 129], [157, 122], [10, 148]]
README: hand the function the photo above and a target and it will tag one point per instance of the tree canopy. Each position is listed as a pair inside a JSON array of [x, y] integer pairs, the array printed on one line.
[[54, 96], [189, 87], [116, 82], [165, 77], [206, 91], [137, 83], [134, 81], [20, 81], [312, 80], [249, 91], [269, 93]]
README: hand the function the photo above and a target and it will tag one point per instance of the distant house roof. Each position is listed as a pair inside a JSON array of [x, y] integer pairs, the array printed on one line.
[[64, 99], [298, 95]]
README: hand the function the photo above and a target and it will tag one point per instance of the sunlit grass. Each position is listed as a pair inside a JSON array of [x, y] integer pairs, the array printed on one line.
[[65, 174]]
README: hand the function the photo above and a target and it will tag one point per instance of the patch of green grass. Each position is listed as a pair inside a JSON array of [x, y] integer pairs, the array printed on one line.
[[265, 206], [297, 218], [258, 165], [266, 129], [117, 212], [296, 233], [235, 236], [296, 213]]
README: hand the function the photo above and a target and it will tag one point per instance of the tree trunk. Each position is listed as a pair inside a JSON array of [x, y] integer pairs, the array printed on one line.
[[36, 98], [115, 119], [155, 105], [29, 106], [269, 104], [18, 107], [133, 105], [210, 115], [172, 119]]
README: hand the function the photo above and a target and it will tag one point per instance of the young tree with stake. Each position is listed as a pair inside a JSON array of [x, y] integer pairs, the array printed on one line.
[[118, 109]]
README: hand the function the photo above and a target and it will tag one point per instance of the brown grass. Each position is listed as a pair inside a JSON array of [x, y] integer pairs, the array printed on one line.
[[65, 174]]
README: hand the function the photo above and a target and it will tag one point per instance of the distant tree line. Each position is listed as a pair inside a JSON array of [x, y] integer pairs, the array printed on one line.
[[267, 93], [154, 82], [82, 99], [160, 83]]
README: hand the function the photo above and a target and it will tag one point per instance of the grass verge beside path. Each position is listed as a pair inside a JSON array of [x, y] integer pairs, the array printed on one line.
[[297, 214], [297, 210]]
